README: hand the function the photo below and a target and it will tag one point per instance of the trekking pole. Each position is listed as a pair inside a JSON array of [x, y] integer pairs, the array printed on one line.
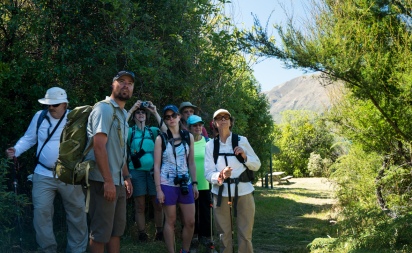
[[230, 211], [212, 244], [15, 188]]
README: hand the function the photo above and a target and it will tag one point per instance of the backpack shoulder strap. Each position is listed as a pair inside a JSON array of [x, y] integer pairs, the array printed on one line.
[[235, 143], [235, 140], [163, 136], [216, 146], [184, 134], [42, 116], [154, 132]]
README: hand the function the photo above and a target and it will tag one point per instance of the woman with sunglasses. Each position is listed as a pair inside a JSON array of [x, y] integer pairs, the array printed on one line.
[[140, 141], [175, 178], [226, 171]]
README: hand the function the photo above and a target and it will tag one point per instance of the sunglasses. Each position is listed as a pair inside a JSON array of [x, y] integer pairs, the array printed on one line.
[[139, 112], [188, 111], [56, 105], [225, 117], [168, 117]]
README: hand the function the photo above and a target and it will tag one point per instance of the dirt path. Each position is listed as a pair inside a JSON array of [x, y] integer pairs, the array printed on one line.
[[311, 183]]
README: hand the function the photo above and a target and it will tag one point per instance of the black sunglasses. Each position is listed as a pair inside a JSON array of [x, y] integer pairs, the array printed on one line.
[[56, 105], [167, 117]]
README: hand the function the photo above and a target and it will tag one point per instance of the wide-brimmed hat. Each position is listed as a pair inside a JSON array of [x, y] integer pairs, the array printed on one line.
[[193, 119], [54, 96], [123, 73], [187, 104], [221, 111], [170, 107]]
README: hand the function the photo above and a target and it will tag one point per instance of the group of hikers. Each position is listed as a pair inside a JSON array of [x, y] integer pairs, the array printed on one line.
[[174, 163]]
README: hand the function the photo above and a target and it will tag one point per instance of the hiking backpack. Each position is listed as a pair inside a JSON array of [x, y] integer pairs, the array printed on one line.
[[42, 116], [247, 175], [166, 137], [70, 166], [153, 134]]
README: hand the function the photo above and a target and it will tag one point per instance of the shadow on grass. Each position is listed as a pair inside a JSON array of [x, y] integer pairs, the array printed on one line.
[[285, 225], [281, 224]]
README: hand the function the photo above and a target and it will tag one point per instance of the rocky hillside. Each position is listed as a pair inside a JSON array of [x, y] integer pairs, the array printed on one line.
[[309, 92]]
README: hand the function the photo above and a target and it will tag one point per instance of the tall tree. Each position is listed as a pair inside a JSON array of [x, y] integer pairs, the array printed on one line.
[[367, 45]]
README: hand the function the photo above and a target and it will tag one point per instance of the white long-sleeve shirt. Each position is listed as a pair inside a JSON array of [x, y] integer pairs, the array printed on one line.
[[212, 170], [50, 152]]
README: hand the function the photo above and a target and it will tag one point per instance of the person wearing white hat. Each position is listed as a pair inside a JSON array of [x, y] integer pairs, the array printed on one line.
[[45, 129], [227, 170]]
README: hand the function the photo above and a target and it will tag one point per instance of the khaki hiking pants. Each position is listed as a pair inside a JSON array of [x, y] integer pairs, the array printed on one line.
[[44, 191], [243, 224]]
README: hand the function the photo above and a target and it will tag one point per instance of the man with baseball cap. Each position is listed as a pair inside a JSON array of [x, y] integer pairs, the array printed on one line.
[[110, 182], [45, 130]]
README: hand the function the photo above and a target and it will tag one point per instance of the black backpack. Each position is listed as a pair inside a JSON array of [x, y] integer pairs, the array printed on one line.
[[167, 137], [246, 176]]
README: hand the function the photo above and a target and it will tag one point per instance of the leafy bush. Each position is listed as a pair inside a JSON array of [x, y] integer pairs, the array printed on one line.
[[12, 208], [362, 223]]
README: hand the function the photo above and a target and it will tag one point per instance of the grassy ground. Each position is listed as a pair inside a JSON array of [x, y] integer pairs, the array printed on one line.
[[288, 217]]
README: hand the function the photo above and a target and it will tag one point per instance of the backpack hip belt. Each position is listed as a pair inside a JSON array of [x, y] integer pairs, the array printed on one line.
[[242, 178]]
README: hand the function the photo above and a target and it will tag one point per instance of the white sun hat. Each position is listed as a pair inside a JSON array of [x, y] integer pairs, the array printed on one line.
[[54, 96]]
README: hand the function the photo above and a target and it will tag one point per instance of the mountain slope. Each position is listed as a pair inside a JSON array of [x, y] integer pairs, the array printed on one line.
[[302, 93]]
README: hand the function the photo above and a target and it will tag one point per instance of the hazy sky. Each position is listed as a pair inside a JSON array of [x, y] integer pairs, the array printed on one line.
[[270, 72]]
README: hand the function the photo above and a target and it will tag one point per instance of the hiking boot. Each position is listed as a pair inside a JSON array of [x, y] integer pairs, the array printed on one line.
[[205, 241], [159, 236], [143, 237]]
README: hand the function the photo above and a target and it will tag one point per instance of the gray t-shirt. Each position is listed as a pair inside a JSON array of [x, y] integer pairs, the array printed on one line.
[[101, 120]]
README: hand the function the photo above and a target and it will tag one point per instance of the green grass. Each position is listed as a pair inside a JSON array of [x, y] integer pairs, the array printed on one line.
[[286, 220]]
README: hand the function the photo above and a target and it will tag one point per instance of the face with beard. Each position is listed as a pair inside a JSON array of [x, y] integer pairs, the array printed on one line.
[[122, 88]]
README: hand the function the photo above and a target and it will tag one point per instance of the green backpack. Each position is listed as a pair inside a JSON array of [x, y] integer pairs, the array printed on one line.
[[70, 166]]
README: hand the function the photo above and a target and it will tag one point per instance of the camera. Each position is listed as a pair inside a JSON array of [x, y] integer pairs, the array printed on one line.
[[145, 104], [136, 158], [182, 180]]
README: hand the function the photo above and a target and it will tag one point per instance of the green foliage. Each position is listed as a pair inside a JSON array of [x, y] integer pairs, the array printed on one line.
[[12, 207], [180, 51], [318, 167], [301, 133], [366, 45], [362, 222]]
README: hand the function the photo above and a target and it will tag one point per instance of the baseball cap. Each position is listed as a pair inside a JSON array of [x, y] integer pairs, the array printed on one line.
[[54, 96], [187, 104], [170, 107], [224, 111], [193, 119], [124, 73]]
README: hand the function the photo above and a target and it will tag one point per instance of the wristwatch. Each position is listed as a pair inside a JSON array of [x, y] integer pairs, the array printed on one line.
[[194, 183], [127, 177]]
